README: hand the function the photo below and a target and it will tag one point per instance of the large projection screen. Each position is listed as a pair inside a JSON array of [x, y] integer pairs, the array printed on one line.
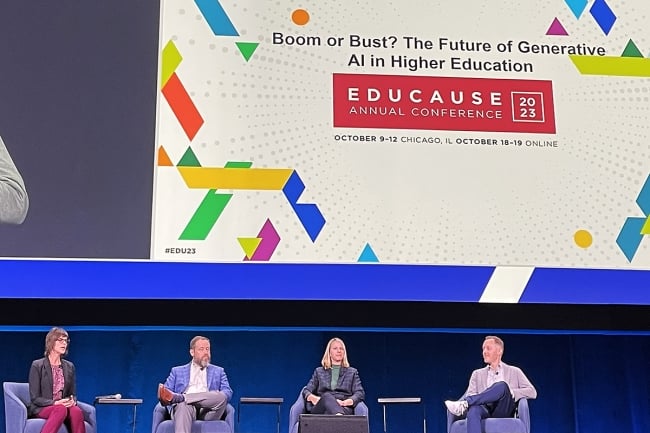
[[372, 150]]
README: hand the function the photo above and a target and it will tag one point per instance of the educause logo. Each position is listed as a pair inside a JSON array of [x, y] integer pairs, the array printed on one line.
[[443, 103]]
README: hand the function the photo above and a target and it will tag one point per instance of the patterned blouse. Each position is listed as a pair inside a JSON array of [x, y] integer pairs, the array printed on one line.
[[57, 382]]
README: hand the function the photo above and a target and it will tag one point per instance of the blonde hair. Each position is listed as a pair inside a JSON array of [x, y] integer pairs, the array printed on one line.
[[326, 362]]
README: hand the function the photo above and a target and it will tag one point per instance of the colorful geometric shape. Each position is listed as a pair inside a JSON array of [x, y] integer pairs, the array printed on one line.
[[583, 238], [216, 18], [189, 159], [182, 106], [238, 164], [645, 230], [603, 15], [273, 179], [247, 49], [635, 228], [205, 216], [300, 17], [171, 58], [212, 206], [577, 6], [630, 237], [309, 215], [612, 66], [163, 158], [262, 179], [643, 200], [631, 50], [269, 242], [368, 255], [249, 245], [556, 29]]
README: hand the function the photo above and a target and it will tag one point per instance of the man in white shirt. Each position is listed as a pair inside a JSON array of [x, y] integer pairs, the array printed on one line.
[[494, 390], [198, 390]]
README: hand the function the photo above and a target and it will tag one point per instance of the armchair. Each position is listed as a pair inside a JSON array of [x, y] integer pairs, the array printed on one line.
[[16, 401], [162, 422], [299, 407], [519, 424]]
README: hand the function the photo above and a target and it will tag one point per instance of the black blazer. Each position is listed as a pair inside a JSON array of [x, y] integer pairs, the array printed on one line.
[[348, 386], [40, 383]]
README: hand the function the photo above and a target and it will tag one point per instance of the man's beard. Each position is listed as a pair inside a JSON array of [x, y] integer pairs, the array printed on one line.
[[203, 362]]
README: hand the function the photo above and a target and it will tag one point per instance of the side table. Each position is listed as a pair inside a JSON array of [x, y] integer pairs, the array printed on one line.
[[261, 400], [404, 400], [134, 401]]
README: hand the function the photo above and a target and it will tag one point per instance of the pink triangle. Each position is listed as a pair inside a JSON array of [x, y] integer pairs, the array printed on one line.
[[556, 29], [270, 240]]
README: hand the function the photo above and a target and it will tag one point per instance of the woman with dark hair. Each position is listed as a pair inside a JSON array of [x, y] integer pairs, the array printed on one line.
[[52, 386]]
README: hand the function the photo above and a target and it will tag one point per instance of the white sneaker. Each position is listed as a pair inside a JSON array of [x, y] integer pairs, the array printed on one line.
[[458, 408]]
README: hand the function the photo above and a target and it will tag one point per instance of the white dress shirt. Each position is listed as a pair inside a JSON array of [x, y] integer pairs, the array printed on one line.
[[198, 379]]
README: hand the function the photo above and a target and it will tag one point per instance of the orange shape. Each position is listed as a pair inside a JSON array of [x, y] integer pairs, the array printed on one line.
[[163, 158], [300, 17]]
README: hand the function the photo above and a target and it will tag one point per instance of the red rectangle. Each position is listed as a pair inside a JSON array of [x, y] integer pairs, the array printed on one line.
[[182, 106], [443, 103]]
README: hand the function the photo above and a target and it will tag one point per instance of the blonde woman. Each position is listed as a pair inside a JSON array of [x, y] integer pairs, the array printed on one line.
[[335, 387]]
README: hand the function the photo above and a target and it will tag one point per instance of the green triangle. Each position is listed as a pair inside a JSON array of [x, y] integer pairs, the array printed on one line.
[[247, 48], [189, 159], [631, 50]]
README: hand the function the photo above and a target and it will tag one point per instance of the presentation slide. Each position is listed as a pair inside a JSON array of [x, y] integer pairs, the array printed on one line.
[[412, 150], [420, 132]]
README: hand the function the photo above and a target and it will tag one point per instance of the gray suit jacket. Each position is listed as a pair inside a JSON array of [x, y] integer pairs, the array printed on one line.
[[513, 376], [40, 383], [348, 385], [13, 196]]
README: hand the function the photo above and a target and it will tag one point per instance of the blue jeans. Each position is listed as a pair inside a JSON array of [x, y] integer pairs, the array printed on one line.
[[495, 402]]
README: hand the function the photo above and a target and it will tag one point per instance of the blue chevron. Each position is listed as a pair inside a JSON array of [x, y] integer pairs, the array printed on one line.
[[309, 215], [216, 17]]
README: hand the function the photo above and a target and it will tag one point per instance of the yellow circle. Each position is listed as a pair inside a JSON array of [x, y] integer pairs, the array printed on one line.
[[583, 238], [300, 17]]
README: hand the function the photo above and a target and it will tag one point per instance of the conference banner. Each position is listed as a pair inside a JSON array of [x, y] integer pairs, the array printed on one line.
[[505, 134], [345, 150]]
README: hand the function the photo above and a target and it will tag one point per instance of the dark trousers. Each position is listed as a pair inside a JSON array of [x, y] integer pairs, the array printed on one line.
[[495, 402], [329, 406]]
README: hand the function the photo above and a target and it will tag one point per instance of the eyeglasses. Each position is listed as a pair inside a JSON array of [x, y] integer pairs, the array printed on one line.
[[63, 340]]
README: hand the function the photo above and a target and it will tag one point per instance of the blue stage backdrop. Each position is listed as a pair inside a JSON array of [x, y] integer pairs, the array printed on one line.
[[586, 382]]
